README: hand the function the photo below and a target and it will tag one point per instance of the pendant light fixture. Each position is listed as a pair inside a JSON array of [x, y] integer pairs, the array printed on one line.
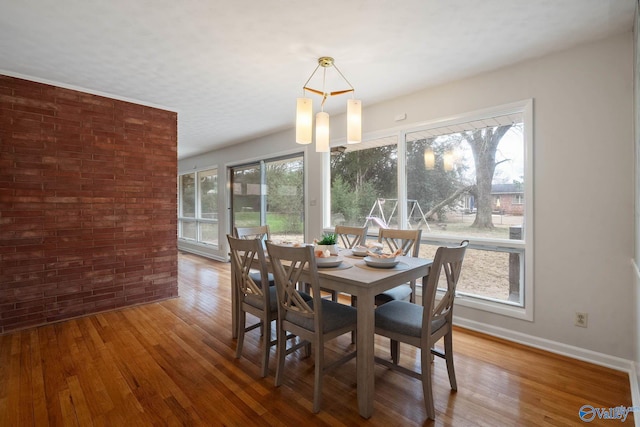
[[304, 112]]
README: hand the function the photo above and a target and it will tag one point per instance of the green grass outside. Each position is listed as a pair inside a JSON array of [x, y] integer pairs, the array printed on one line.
[[278, 223]]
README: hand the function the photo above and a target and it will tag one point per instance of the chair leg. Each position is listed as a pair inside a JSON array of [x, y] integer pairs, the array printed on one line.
[[427, 390], [448, 354], [242, 318], [317, 381], [281, 352], [395, 351], [306, 350], [266, 346]]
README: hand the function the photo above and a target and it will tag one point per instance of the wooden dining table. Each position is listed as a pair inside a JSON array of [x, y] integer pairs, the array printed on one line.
[[354, 277]]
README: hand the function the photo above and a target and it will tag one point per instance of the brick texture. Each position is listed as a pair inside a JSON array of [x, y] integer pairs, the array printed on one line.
[[87, 204]]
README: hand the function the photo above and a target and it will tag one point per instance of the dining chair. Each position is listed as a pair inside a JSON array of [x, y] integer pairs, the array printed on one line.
[[351, 237], [252, 296], [348, 237], [423, 325], [316, 321], [408, 241], [260, 232]]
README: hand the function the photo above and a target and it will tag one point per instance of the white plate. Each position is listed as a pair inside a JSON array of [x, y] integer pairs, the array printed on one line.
[[381, 262], [332, 261]]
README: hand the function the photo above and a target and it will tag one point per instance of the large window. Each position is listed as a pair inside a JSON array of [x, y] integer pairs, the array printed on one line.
[[465, 178], [364, 185], [198, 207], [270, 192]]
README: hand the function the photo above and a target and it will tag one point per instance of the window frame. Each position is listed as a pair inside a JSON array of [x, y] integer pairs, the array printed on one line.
[[197, 218], [262, 163], [525, 247]]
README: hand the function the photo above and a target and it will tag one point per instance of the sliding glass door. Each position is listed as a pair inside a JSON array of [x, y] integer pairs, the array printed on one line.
[[270, 192]]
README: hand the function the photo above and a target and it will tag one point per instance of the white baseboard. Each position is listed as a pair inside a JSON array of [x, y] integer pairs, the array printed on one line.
[[590, 356], [201, 250], [205, 254]]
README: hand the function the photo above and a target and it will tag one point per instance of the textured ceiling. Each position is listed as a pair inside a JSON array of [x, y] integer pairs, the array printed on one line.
[[232, 69]]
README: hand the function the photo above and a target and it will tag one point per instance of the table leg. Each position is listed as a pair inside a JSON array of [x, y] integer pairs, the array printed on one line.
[[365, 357]]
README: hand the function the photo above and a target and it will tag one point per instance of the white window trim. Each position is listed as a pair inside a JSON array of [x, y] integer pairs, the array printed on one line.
[[196, 219]]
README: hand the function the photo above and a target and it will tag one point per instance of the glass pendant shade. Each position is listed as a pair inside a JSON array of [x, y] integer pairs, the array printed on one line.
[[322, 132], [429, 158], [304, 121], [354, 121]]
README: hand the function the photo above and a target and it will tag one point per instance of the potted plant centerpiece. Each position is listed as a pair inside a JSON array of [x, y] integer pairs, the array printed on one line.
[[327, 243]]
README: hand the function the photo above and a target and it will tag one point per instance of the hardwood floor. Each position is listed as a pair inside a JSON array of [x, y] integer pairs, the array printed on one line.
[[172, 363]]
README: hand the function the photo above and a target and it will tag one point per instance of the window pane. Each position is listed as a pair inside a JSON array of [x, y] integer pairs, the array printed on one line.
[[189, 230], [208, 181], [364, 185], [468, 183], [246, 196], [285, 198], [209, 233], [488, 274], [188, 195]]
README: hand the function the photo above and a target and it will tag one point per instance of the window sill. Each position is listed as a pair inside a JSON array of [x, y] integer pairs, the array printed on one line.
[[502, 308]]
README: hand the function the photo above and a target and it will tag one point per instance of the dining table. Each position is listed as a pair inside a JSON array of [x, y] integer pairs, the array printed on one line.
[[355, 277]]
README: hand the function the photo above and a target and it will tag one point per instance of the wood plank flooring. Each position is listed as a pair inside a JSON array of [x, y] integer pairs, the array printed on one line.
[[172, 363]]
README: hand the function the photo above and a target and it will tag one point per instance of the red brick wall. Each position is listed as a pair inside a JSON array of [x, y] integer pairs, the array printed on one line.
[[87, 204]]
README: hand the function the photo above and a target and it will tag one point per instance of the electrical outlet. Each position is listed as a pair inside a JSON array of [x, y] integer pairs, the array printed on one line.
[[581, 319]]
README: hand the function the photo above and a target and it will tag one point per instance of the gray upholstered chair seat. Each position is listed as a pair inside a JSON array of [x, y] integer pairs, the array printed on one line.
[[399, 293], [257, 301], [255, 275], [404, 317], [335, 316]]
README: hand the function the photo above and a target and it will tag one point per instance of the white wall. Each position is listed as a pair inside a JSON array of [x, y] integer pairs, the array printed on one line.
[[583, 184], [583, 187]]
